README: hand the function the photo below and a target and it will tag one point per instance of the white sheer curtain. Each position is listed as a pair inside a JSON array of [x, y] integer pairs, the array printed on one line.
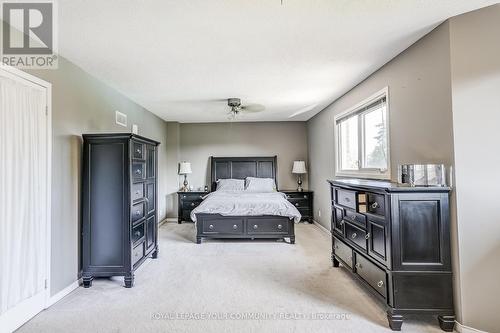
[[23, 190]]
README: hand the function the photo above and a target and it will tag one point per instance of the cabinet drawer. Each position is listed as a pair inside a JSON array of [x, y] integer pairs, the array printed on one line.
[[137, 253], [346, 198], [355, 235], [300, 203], [137, 212], [138, 150], [358, 219], [305, 212], [190, 205], [137, 191], [138, 233], [342, 251], [298, 195], [224, 227], [191, 196], [138, 171], [375, 204], [372, 274], [256, 226]]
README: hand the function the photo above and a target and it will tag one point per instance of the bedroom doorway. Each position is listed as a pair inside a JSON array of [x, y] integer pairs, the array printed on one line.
[[25, 169]]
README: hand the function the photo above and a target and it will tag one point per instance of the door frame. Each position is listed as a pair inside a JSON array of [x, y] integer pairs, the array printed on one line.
[[26, 312]]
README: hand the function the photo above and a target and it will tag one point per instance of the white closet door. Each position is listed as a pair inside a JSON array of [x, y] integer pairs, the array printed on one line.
[[24, 201]]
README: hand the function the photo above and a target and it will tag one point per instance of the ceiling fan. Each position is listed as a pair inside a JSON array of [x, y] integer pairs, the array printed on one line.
[[237, 108]]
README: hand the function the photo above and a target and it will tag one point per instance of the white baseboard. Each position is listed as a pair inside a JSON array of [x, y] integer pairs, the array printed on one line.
[[466, 329], [322, 228], [169, 220], [60, 295]]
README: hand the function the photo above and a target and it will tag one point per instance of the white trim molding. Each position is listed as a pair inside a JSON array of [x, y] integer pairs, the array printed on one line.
[[364, 173], [63, 293], [321, 227], [466, 329]]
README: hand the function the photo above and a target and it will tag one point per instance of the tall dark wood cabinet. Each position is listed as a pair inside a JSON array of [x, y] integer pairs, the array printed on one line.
[[396, 241], [119, 199]]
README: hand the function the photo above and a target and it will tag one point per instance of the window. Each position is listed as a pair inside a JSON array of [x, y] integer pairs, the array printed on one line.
[[362, 139]]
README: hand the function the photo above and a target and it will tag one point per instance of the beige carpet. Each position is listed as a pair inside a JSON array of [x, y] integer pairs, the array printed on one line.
[[286, 288]]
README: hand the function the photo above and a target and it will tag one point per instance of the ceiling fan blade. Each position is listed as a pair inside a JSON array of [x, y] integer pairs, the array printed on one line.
[[253, 108]]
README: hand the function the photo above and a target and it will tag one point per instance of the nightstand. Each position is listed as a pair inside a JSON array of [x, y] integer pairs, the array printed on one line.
[[303, 201], [187, 202]]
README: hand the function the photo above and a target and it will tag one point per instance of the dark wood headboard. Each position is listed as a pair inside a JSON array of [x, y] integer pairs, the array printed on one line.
[[242, 167]]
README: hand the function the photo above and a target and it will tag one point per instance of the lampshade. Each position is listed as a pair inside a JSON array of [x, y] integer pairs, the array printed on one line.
[[299, 167], [184, 168]]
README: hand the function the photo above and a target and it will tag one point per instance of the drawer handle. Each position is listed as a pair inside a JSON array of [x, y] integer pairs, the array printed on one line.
[[367, 236], [280, 226], [341, 222], [138, 171], [375, 205], [358, 265], [192, 204], [380, 284], [184, 197], [297, 204], [336, 247], [305, 196], [138, 151], [138, 192], [211, 227], [354, 235], [235, 227], [255, 226], [138, 233], [137, 212], [347, 200]]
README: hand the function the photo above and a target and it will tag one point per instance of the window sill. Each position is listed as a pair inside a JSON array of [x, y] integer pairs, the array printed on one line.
[[365, 175]]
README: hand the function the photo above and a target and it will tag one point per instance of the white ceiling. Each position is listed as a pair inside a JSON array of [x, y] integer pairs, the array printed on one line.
[[174, 57]]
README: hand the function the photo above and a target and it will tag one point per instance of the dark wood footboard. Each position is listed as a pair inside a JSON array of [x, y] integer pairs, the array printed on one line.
[[253, 227]]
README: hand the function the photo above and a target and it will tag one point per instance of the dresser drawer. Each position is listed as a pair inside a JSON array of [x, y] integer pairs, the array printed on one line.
[[300, 203], [137, 253], [190, 205], [256, 226], [224, 227], [355, 218], [137, 212], [375, 204], [305, 212], [342, 251], [138, 150], [372, 274], [297, 195], [355, 235], [138, 233], [346, 198], [192, 196], [137, 191], [138, 171]]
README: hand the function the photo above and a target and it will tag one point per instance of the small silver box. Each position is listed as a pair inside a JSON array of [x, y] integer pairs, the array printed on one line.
[[422, 174]]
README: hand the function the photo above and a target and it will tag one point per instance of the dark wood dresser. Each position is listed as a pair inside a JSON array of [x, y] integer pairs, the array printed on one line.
[[396, 240], [119, 223], [303, 201], [187, 201]]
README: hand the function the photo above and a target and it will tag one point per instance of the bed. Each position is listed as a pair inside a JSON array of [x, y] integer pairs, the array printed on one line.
[[265, 215]]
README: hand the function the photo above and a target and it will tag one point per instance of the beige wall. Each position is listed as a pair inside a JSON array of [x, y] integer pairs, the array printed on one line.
[[419, 109], [198, 142], [82, 104], [475, 72]]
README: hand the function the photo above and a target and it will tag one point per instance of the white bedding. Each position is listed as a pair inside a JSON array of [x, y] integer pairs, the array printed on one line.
[[243, 203]]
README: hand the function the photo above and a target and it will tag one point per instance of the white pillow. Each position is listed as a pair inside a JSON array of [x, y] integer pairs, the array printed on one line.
[[230, 185], [253, 184]]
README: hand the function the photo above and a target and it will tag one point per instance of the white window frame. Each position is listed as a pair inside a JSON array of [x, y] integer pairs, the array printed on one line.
[[365, 172]]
